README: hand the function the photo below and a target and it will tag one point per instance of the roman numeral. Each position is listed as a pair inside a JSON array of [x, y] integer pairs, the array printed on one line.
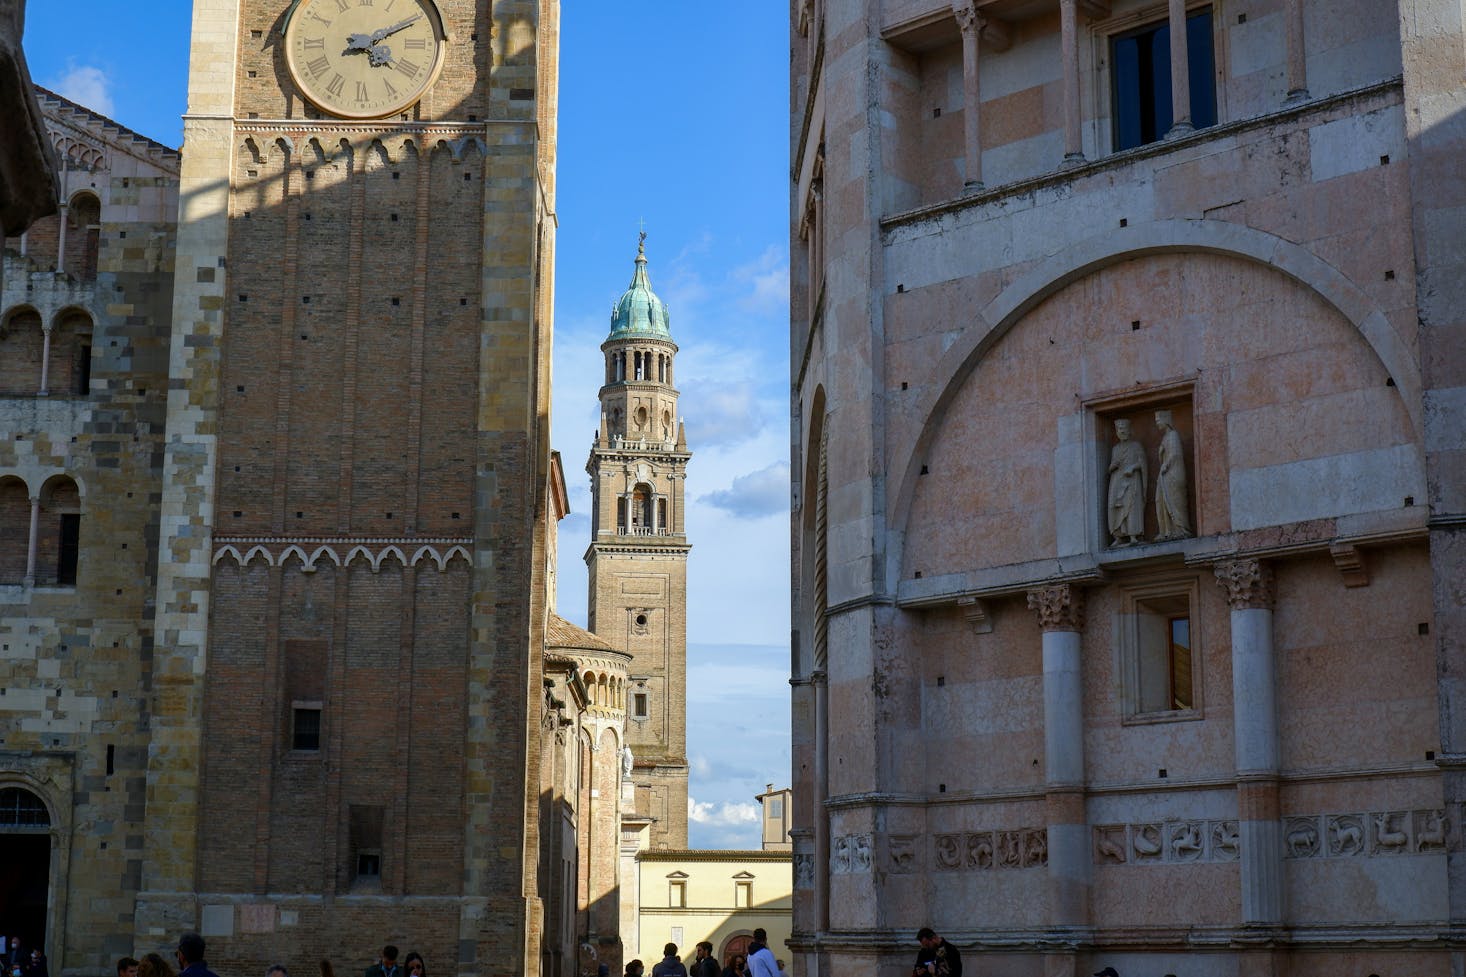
[[365, 3], [407, 67], [314, 44], [337, 84], [319, 19], [416, 43], [341, 5], [318, 66], [391, 92], [361, 91]]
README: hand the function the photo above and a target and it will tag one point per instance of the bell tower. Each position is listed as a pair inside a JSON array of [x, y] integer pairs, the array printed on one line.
[[638, 551]]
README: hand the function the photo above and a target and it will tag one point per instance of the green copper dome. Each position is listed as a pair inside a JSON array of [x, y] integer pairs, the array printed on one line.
[[639, 312]]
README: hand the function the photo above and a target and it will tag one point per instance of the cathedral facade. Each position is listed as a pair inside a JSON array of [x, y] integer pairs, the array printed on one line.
[[1128, 383], [277, 497]]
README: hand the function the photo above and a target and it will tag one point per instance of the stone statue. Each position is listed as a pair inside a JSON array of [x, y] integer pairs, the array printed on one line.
[[1170, 482], [1127, 488], [626, 761]]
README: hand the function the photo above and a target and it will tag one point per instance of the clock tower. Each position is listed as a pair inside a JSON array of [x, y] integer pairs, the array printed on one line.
[[638, 551], [351, 591]]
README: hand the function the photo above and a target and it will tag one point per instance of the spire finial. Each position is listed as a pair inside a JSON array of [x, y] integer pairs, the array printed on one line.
[[641, 241]]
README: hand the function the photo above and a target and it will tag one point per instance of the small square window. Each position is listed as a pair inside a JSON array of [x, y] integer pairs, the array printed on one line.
[[1161, 654], [1140, 80], [368, 865], [639, 709], [305, 728]]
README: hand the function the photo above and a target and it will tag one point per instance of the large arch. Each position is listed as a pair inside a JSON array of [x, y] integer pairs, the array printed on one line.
[[994, 320]]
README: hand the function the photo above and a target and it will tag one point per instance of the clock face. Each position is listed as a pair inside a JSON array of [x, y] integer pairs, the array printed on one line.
[[364, 59]]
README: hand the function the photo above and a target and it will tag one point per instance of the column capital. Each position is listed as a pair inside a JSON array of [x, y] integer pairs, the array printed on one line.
[[1060, 607], [969, 21], [1248, 582]]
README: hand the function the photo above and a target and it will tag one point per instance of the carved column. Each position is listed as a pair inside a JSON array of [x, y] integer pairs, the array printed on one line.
[[1180, 72], [1060, 610], [45, 388], [30, 549], [1297, 59], [1250, 593], [820, 680], [1069, 40], [971, 25]]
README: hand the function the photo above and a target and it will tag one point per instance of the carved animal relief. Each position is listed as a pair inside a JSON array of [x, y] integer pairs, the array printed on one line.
[[1169, 842], [983, 850]]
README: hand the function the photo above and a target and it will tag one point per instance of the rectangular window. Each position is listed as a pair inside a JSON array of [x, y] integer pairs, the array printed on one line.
[[677, 894], [365, 828], [639, 705], [776, 808], [1158, 641], [1140, 72], [69, 549], [305, 728], [743, 895]]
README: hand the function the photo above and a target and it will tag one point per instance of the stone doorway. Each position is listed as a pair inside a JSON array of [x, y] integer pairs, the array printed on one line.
[[25, 866]]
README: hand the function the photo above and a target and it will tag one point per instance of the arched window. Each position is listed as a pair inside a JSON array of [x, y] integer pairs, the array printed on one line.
[[15, 529], [59, 534], [84, 226], [71, 354], [641, 508], [22, 346], [19, 808]]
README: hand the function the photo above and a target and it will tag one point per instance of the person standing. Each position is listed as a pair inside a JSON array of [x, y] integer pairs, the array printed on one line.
[[670, 966], [761, 961], [705, 965], [190, 955], [387, 967], [937, 957]]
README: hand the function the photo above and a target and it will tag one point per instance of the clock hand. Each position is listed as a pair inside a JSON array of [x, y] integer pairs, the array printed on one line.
[[364, 42], [389, 31], [380, 55]]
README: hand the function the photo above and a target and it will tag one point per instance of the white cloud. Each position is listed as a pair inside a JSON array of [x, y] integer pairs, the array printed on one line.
[[726, 814], [85, 85], [765, 282], [761, 493], [721, 413]]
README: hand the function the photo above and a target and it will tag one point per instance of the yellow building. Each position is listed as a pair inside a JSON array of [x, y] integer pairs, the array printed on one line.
[[686, 897]]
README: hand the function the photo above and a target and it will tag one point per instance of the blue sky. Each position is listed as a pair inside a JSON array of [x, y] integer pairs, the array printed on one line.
[[673, 113]]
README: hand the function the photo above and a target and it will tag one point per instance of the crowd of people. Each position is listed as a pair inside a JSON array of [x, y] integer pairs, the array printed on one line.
[[759, 961], [190, 963]]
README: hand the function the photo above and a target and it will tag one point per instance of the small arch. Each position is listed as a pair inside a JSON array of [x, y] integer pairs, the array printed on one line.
[[394, 552], [22, 348], [295, 553], [15, 529], [83, 235], [456, 553], [260, 553], [71, 352], [429, 553], [227, 552], [58, 533], [361, 552], [326, 551]]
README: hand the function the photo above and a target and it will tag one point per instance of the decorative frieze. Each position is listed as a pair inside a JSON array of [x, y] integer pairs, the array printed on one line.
[[1166, 842], [278, 551], [1363, 834], [983, 850]]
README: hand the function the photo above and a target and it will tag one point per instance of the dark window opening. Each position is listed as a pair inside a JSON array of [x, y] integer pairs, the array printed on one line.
[[1141, 80], [306, 729], [639, 708], [83, 384], [69, 549], [20, 808], [368, 865]]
